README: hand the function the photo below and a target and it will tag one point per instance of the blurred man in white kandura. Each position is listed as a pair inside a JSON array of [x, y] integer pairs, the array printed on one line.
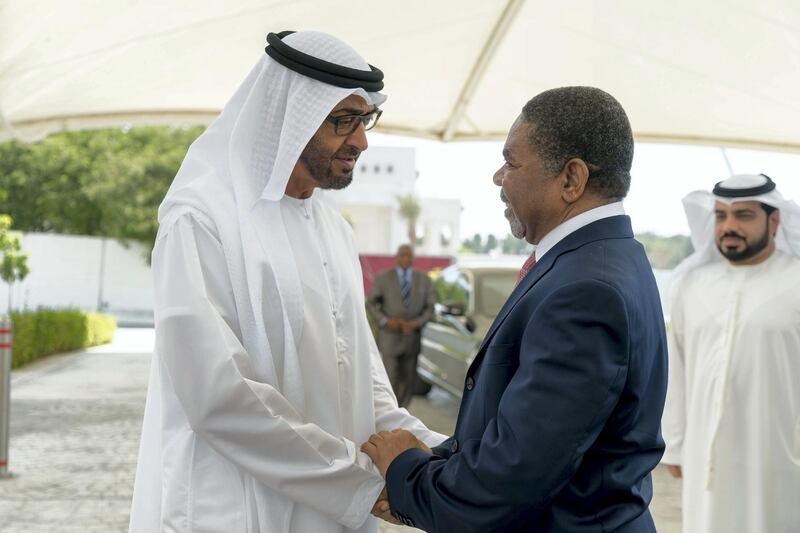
[[732, 419], [266, 377]]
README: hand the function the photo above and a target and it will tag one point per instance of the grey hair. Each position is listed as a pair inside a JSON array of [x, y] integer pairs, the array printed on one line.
[[585, 123]]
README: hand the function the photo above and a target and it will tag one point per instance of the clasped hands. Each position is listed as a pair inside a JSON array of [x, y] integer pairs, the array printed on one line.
[[399, 325], [383, 448]]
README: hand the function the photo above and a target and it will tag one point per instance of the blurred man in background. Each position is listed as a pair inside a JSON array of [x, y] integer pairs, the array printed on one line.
[[732, 418], [401, 301]]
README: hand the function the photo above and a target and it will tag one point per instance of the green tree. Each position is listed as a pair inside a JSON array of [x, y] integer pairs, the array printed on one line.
[[103, 182], [514, 246], [14, 264], [473, 245], [665, 252], [491, 243]]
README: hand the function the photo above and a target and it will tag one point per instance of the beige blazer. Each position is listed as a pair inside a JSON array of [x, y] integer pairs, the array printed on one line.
[[386, 301]]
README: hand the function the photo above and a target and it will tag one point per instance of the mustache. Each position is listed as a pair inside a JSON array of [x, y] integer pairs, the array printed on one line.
[[347, 152], [731, 234]]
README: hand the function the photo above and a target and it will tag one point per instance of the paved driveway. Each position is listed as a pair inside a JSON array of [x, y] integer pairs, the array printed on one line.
[[75, 423]]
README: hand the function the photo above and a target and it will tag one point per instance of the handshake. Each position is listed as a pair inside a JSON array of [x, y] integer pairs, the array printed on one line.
[[383, 448]]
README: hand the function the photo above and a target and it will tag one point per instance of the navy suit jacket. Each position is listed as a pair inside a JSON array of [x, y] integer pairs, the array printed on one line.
[[559, 426]]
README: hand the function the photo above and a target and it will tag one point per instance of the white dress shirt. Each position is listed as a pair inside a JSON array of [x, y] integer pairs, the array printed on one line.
[[574, 224]]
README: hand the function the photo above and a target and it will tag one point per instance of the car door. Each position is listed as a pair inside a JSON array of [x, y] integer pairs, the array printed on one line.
[[448, 343]]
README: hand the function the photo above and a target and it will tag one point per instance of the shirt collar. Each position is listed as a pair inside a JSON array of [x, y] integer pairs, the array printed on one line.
[[575, 223]]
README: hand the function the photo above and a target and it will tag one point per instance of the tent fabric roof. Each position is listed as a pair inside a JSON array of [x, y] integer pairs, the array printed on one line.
[[721, 72]]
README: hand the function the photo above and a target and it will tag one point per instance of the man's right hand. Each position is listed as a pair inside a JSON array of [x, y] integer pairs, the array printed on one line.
[[675, 471]]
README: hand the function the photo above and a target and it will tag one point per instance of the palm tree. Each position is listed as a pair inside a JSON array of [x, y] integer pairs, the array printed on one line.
[[410, 210]]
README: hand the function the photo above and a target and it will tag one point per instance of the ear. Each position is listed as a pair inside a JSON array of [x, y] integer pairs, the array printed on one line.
[[773, 221], [575, 175]]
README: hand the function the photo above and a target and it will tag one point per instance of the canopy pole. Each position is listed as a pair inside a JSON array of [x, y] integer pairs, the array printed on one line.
[[489, 50], [727, 161]]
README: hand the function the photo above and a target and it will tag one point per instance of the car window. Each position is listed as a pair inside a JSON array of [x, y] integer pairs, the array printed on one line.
[[492, 290], [452, 287]]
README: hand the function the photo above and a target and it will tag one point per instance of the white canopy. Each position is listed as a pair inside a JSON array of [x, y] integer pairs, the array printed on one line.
[[723, 72]]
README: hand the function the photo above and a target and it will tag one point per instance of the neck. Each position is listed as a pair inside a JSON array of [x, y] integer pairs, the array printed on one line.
[[574, 209], [300, 186], [583, 205]]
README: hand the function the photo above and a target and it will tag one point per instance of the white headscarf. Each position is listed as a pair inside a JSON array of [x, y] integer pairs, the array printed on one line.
[[699, 207], [236, 173]]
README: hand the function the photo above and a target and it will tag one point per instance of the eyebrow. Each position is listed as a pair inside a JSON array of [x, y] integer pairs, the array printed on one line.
[[747, 210], [507, 154], [354, 110]]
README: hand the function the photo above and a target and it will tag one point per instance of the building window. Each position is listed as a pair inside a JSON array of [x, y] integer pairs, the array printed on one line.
[[377, 169], [446, 236], [390, 169]]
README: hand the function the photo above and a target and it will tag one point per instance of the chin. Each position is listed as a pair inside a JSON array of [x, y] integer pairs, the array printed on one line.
[[337, 182]]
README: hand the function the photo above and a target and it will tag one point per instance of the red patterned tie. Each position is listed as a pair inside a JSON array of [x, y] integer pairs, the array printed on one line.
[[526, 267]]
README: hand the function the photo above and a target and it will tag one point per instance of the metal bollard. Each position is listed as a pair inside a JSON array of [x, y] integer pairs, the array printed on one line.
[[5, 394]]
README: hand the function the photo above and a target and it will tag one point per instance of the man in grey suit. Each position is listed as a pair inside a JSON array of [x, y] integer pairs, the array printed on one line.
[[401, 301]]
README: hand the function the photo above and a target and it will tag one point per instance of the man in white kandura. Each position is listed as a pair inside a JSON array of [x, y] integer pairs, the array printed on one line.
[[266, 378], [732, 417]]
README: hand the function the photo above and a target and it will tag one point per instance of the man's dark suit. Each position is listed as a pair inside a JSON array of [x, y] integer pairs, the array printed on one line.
[[559, 424]]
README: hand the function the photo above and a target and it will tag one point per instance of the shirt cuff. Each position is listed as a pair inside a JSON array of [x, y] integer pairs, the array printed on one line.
[[364, 499], [362, 503]]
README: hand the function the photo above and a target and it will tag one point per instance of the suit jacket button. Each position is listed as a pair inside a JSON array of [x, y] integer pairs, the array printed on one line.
[[454, 446], [470, 383]]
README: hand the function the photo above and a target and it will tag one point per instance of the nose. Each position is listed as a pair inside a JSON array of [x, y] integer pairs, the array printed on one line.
[[729, 225], [358, 139], [498, 177]]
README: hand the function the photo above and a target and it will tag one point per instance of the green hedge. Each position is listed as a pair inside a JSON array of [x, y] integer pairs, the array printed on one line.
[[48, 331]]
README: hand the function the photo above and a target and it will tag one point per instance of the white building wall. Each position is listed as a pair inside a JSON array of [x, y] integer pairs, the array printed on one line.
[[440, 221], [65, 271], [371, 204], [372, 225]]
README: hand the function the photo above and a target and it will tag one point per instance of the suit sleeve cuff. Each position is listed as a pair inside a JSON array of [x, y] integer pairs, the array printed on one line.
[[397, 474]]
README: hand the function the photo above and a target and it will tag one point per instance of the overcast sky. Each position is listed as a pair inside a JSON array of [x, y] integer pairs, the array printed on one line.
[[662, 175]]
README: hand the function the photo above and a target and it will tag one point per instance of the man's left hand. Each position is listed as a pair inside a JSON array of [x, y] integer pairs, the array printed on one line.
[[385, 446]]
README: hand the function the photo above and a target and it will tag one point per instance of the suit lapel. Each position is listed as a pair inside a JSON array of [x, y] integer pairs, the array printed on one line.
[[536, 273], [394, 285], [412, 289], [606, 228]]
